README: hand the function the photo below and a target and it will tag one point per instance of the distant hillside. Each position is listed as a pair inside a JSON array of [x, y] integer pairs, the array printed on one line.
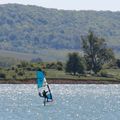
[[45, 55], [30, 28]]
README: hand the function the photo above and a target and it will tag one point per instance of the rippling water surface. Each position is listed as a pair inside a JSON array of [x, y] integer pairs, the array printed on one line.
[[71, 102]]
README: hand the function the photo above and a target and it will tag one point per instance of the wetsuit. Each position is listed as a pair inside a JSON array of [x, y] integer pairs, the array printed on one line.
[[45, 95]]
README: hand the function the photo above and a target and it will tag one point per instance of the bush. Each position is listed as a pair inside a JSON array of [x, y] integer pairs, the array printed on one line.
[[29, 69], [75, 64], [51, 66], [59, 65], [2, 75], [16, 70], [48, 66], [105, 74], [59, 68], [118, 63], [13, 68], [19, 66], [14, 76], [21, 73]]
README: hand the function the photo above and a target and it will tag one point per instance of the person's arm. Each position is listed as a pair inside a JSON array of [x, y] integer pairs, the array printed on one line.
[[40, 94]]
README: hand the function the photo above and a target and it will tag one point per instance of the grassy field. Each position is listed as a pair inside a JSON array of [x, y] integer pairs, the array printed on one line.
[[44, 54], [114, 72], [51, 73], [27, 70]]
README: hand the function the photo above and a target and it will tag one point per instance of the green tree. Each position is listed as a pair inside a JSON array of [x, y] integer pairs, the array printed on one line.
[[74, 64], [96, 52], [59, 65], [118, 63], [2, 75]]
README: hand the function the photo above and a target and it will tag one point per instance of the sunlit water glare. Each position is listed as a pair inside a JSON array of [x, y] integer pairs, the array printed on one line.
[[71, 102]]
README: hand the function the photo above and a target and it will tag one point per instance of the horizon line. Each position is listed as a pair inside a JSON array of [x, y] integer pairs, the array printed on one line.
[[60, 8]]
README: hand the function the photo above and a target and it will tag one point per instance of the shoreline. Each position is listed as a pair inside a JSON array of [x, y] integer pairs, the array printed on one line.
[[61, 81]]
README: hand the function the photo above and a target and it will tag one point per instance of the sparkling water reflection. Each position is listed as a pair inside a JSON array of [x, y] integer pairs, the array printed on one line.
[[71, 102]]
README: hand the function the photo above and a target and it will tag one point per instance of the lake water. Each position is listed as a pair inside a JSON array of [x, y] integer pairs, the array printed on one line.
[[71, 102]]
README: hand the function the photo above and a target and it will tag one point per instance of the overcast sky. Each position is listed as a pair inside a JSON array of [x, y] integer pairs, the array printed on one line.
[[113, 5]]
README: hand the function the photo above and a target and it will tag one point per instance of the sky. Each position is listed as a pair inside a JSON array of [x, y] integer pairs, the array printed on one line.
[[112, 5]]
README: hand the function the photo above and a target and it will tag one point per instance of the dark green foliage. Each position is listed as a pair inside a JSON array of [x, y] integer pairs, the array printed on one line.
[[29, 69], [59, 65], [24, 64], [82, 65], [118, 63], [75, 64], [2, 76], [12, 68], [60, 68], [53, 65], [48, 66], [96, 52], [14, 77], [19, 66], [16, 70], [20, 73], [29, 28]]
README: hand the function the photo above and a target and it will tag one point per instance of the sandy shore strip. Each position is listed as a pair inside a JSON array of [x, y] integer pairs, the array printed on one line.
[[61, 81]]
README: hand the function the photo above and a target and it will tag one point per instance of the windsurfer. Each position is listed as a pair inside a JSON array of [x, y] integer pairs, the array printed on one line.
[[45, 95]]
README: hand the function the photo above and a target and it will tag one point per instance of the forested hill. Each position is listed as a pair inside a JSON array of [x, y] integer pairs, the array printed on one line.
[[30, 28]]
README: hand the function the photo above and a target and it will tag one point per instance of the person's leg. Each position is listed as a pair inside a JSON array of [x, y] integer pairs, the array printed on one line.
[[44, 101], [47, 99]]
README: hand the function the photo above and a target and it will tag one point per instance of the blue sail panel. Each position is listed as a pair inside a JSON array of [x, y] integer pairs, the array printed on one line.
[[40, 78]]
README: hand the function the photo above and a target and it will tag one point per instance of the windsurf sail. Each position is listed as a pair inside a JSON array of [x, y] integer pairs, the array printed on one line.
[[43, 86]]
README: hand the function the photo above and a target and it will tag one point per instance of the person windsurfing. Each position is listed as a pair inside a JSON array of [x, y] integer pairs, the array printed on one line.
[[45, 95], [43, 87]]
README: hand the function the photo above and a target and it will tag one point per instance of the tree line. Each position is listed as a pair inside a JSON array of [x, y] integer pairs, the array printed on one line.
[[96, 54]]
